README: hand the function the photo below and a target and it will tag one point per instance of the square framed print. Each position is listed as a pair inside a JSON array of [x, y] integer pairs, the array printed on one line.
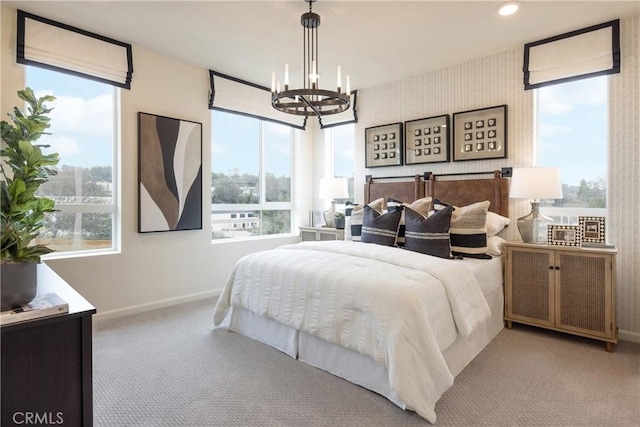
[[169, 174], [592, 229], [427, 140], [383, 145], [563, 235], [480, 134]]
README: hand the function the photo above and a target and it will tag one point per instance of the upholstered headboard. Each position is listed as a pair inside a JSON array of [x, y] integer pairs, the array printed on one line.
[[407, 191], [462, 192], [448, 188]]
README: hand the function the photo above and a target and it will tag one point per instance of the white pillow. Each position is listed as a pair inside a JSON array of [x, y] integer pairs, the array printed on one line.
[[347, 228], [495, 223], [494, 243]]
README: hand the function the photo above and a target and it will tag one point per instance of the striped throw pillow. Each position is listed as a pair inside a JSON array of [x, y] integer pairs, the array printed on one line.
[[469, 230], [428, 235], [378, 228], [421, 206], [356, 217]]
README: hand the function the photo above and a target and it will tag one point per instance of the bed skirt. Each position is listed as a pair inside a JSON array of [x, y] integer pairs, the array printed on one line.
[[353, 366]]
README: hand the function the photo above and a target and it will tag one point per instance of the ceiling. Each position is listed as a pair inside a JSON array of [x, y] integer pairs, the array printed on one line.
[[374, 41]]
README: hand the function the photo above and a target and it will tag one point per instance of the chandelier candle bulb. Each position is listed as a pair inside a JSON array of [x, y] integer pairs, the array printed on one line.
[[278, 87], [286, 76], [339, 79], [273, 82]]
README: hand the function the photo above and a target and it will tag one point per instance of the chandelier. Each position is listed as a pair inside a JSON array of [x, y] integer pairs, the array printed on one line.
[[309, 101]]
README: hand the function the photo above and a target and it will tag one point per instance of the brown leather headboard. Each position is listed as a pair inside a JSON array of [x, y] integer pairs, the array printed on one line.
[[462, 192], [459, 192], [407, 191]]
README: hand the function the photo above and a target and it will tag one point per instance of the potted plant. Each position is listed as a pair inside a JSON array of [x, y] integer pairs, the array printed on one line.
[[338, 220], [22, 210]]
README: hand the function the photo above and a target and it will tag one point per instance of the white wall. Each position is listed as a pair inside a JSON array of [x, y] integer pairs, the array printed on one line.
[[153, 268], [497, 80]]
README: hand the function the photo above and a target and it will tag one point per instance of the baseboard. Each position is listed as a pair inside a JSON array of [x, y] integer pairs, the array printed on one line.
[[134, 309], [629, 336]]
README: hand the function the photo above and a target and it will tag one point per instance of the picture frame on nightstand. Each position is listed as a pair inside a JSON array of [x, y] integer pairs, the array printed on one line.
[[563, 235], [592, 229]]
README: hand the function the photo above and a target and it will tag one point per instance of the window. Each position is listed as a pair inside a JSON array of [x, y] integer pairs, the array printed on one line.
[[343, 153], [83, 133], [250, 177], [572, 131]]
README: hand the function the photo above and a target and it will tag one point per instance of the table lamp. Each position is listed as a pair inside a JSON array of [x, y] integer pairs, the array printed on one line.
[[536, 184], [332, 189]]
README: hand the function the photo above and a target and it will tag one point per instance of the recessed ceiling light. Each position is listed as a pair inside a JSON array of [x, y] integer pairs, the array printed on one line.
[[508, 8]]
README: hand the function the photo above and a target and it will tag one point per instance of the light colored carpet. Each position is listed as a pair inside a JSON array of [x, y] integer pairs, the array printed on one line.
[[169, 367]]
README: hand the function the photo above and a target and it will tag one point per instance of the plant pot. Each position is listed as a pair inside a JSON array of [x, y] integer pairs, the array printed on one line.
[[339, 222], [19, 284]]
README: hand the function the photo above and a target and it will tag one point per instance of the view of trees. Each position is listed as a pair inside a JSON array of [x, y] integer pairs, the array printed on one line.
[[235, 188], [79, 185], [589, 194]]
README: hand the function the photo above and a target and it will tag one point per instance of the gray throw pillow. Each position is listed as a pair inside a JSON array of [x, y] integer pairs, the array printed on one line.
[[428, 235], [381, 229]]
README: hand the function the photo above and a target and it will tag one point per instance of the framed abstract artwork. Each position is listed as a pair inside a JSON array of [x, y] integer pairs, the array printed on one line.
[[480, 134], [427, 140], [383, 145], [169, 174]]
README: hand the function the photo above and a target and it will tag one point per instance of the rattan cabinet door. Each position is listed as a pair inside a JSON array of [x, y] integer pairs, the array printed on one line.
[[584, 293], [529, 286]]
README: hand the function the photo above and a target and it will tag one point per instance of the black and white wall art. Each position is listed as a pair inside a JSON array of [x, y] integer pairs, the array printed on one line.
[[169, 174]]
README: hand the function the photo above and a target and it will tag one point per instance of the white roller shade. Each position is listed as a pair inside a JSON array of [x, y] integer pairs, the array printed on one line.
[[589, 52], [240, 97], [49, 44], [348, 116]]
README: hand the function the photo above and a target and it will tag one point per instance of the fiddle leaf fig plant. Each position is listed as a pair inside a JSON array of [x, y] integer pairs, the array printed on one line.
[[22, 210]]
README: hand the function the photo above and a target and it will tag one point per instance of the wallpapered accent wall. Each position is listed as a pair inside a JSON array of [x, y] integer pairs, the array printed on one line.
[[497, 80], [624, 174]]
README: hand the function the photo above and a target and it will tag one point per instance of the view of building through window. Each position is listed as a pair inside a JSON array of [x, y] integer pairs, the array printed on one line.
[[250, 177], [572, 135], [83, 133]]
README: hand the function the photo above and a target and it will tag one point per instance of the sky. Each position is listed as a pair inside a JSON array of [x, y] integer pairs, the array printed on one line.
[[235, 145], [82, 121], [572, 130]]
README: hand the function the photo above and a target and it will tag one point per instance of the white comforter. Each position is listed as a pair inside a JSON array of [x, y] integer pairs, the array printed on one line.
[[399, 307]]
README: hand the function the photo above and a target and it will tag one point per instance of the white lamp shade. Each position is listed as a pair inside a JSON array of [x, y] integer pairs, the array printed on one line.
[[334, 188], [536, 183]]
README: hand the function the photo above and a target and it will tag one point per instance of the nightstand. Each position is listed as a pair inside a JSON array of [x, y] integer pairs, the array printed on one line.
[[314, 234], [566, 289]]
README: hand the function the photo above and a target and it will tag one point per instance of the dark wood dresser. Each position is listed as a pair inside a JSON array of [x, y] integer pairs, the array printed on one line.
[[47, 363]]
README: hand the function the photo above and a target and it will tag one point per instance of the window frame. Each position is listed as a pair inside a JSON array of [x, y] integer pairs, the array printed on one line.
[[113, 208], [569, 214], [263, 204]]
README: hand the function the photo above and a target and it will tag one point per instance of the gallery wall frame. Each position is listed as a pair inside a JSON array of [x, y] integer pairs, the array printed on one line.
[[427, 140], [480, 134], [169, 174], [383, 145]]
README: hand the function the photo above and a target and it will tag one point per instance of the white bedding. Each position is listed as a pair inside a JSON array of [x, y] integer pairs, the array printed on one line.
[[401, 308]]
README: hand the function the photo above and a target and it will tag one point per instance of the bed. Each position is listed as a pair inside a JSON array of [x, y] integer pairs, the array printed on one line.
[[396, 322]]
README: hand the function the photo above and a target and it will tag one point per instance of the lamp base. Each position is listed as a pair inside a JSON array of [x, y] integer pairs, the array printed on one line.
[[533, 226]]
